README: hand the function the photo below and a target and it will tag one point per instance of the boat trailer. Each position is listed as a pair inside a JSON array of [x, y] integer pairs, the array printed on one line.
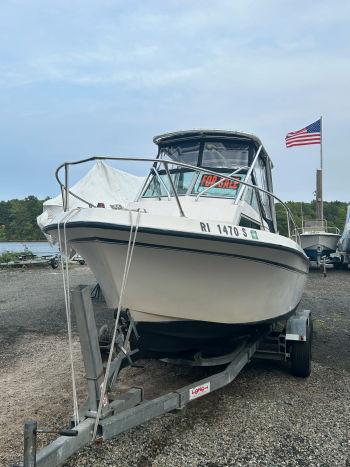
[[292, 343]]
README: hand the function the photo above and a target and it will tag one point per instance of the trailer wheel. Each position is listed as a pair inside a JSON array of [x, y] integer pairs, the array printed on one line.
[[54, 262], [301, 355]]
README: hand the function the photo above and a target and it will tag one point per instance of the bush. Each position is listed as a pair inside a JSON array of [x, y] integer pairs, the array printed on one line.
[[9, 256]]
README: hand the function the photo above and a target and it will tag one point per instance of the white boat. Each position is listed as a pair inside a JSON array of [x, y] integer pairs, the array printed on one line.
[[318, 240], [208, 264]]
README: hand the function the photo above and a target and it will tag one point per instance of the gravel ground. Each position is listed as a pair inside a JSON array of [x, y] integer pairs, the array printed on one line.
[[264, 418]]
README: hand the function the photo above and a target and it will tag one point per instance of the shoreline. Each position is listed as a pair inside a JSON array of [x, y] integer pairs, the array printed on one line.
[[23, 241]]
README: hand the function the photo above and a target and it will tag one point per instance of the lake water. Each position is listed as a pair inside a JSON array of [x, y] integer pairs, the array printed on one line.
[[38, 248]]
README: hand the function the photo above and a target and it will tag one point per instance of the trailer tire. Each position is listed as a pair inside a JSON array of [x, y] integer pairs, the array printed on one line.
[[54, 262], [301, 355]]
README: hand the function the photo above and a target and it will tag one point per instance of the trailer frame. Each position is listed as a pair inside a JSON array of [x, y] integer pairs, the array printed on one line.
[[130, 409]]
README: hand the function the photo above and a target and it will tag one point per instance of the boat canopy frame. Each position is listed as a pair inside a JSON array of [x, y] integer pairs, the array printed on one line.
[[65, 190]]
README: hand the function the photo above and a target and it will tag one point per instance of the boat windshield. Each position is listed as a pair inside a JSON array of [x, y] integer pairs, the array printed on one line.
[[190, 182], [209, 154], [186, 152], [225, 155], [222, 156]]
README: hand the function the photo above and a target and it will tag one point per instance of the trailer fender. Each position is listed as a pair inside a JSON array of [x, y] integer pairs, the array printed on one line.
[[297, 325]]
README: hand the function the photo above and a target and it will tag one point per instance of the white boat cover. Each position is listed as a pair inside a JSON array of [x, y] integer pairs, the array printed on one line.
[[102, 184]]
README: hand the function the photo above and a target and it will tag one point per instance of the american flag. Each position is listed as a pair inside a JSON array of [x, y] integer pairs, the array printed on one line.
[[311, 134]]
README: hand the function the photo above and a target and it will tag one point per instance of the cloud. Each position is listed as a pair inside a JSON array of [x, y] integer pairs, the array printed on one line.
[[88, 74]]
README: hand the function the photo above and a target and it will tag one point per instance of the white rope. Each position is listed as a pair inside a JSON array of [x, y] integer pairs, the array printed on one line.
[[129, 254], [66, 286]]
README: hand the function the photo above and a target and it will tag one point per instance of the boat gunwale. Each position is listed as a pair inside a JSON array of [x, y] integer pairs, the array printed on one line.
[[181, 234]]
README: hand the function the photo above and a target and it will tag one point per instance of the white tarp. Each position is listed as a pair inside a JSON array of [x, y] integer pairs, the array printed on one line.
[[102, 184]]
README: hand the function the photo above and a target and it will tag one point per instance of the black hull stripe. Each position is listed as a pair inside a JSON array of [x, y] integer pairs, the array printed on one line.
[[169, 339], [188, 250], [175, 233]]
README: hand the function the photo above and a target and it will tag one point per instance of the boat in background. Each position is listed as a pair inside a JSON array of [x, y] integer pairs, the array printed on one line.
[[208, 265], [318, 240]]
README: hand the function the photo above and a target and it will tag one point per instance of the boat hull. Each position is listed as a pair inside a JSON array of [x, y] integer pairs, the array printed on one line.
[[166, 338], [189, 291], [319, 244]]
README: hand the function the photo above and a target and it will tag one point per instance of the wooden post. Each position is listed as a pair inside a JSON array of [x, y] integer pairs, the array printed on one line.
[[319, 198]]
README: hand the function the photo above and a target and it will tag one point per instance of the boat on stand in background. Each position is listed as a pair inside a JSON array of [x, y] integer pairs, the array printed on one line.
[[317, 239], [207, 264]]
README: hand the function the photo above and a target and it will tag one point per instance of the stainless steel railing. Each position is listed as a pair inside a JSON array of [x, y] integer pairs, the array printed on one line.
[[65, 191], [318, 229]]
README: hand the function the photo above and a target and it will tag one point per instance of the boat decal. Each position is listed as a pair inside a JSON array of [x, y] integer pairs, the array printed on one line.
[[187, 250], [228, 230], [199, 391], [176, 233]]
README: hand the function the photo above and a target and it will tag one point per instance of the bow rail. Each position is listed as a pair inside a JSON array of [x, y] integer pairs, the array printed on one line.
[[65, 191]]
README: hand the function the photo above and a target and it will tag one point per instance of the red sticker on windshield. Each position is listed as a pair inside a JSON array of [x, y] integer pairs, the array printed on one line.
[[208, 180]]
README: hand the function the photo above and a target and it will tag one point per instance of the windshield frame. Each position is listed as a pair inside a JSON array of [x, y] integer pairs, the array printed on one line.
[[200, 142], [252, 149], [190, 191]]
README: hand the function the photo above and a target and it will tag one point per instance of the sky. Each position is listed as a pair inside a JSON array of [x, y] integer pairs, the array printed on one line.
[[88, 77]]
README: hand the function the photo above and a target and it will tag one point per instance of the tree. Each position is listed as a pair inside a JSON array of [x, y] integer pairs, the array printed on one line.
[[18, 219]]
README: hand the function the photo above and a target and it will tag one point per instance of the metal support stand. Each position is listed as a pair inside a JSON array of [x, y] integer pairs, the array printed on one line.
[[324, 267], [29, 456], [82, 306], [129, 409]]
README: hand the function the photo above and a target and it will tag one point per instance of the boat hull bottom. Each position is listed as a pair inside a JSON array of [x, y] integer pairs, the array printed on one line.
[[186, 338], [317, 254]]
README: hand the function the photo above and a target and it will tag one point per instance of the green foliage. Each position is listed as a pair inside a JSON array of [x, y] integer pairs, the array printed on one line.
[[334, 213], [18, 219], [9, 256]]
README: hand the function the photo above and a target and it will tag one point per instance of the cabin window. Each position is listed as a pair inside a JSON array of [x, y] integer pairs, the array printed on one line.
[[182, 180], [185, 152], [250, 197], [261, 181], [225, 155], [159, 185], [245, 222]]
